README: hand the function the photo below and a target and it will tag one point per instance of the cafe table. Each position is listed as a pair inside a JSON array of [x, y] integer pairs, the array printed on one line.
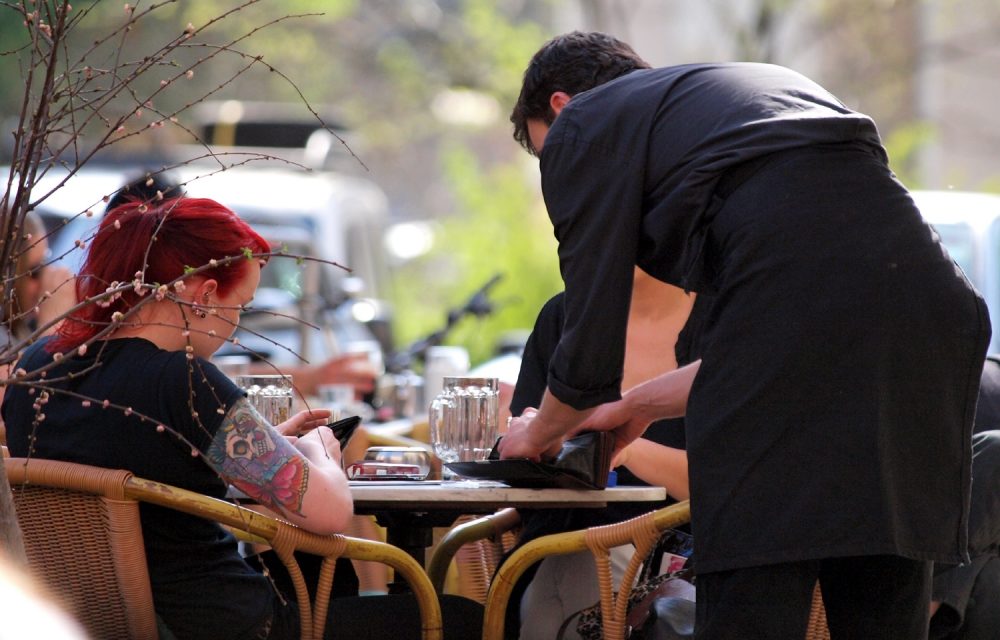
[[409, 510]]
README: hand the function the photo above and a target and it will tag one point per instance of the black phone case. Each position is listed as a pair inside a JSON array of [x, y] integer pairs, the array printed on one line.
[[344, 428]]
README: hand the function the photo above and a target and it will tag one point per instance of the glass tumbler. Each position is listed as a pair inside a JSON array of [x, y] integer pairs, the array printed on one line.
[[464, 418], [270, 395]]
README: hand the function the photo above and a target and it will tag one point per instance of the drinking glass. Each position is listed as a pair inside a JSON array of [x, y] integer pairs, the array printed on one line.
[[464, 418], [270, 395]]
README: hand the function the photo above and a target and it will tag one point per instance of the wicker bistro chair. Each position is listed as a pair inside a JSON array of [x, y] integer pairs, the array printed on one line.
[[476, 546], [84, 542], [643, 532]]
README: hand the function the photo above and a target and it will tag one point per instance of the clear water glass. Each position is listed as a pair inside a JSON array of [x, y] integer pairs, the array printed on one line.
[[464, 418], [271, 395]]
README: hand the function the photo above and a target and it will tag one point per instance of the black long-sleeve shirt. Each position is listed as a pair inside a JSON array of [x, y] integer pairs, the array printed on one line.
[[628, 173]]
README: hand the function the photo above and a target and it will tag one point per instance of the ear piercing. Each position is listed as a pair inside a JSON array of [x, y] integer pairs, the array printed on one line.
[[198, 311]]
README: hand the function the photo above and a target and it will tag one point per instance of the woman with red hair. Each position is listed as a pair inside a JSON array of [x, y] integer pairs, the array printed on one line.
[[126, 383]]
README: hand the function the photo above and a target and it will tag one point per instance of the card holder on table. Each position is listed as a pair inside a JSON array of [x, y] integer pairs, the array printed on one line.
[[582, 463]]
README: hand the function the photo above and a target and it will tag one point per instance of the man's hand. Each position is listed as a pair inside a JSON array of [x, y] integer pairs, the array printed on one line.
[[620, 418], [354, 369], [525, 439], [350, 368]]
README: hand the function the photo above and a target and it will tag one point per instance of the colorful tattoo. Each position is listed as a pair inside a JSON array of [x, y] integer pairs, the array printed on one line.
[[257, 460]]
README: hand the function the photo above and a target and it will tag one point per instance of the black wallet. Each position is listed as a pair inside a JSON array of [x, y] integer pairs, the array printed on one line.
[[582, 463]]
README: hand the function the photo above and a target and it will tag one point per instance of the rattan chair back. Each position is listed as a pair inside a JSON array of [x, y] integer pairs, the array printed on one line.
[[83, 540], [817, 629], [476, 545], [643, 532], [27, 476]]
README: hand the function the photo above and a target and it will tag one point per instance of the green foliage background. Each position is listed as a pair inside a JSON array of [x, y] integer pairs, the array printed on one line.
[[381, 63], [502, 228]]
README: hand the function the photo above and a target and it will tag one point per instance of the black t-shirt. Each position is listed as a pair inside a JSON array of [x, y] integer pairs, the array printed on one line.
[[530, 387], [988, 406], [202, 587], [531, 379]]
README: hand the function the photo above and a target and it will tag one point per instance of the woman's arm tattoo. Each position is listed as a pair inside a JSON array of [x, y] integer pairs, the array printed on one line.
[[257, 460]]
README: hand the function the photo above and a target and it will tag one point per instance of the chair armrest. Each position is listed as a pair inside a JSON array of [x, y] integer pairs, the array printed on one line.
[[491, 526], [285, 538], [560, 544]]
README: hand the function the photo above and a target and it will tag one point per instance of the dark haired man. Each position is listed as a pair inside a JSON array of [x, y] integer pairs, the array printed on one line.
[[150, 187], [829, 419]]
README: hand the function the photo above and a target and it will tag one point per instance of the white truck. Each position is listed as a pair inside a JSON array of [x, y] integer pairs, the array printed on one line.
[[969, 226]]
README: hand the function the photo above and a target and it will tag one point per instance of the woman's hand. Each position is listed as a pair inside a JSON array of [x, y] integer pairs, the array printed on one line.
[[304, 422], [621, 458], [298, 476], [319, 445], [665, 396]]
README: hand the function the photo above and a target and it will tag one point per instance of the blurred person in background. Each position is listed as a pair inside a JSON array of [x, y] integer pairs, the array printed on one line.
[[840, 360], [965, 599], [663, 331], [41, 293]]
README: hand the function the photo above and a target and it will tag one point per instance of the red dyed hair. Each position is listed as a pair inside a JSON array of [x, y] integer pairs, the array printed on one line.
[[189, 233]]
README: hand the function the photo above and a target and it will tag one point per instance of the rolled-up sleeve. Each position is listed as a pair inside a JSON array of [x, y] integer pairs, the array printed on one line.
[[594, 199]]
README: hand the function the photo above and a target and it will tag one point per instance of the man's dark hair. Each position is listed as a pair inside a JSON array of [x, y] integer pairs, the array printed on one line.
[[573, 62], [148, 188]]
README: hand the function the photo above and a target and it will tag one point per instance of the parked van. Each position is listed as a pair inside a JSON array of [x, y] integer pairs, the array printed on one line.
[[969, 226], [323, 215]]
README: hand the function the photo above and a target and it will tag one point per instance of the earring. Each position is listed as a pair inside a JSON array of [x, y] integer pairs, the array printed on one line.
[[198, 311]]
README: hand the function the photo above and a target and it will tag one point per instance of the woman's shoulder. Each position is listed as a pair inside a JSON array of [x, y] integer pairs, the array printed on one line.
[[178, 370], [35, 355]]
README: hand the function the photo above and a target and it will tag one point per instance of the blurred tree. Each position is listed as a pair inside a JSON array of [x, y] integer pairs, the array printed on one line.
[[416, 79], [431, 84], [502, 229], [89, 79]]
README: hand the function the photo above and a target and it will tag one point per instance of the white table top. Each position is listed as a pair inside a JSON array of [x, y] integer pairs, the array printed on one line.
[[484, 495]]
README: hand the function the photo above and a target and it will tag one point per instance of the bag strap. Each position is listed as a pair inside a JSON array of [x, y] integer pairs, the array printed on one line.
[[560, 635]]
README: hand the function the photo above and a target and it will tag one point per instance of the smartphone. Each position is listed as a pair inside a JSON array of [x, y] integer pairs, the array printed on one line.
[[344, 428]]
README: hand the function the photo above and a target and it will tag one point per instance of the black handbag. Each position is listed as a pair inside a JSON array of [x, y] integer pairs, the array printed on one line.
[[660, 608]]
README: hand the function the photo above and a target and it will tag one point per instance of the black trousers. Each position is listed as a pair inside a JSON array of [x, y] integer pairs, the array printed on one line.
[[970, 594], [884, 597]]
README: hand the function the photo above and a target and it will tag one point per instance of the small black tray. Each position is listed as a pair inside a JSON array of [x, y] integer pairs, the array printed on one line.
[[520, 473], [582, 463]]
